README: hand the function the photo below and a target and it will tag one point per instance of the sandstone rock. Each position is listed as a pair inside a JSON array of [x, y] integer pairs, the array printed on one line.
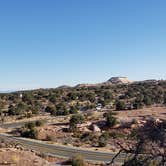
[[95, 128], [119, 80]]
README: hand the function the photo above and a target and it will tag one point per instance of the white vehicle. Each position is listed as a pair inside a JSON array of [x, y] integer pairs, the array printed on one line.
[[99, 107]]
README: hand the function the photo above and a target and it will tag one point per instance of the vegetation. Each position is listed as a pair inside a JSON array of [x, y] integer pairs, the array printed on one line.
[[76, 102], [102, 141], [120, 105], [29, 130], [39, 123], [110, 119], [150, 146], [29, 133], [77, 161], [65, 101], [75, 119]]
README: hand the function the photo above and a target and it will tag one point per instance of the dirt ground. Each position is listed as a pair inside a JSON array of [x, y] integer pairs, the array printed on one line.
[[54, 130], [58, 136], [14, 157], [142, 114]]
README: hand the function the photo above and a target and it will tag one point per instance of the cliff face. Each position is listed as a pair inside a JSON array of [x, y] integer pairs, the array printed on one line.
[[119, 80]]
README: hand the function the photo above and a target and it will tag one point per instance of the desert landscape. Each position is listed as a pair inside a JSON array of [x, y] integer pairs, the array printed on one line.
[[105, 117], [83, 83]]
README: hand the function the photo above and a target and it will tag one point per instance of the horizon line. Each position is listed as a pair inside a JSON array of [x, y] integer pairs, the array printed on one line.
[[10, 90]]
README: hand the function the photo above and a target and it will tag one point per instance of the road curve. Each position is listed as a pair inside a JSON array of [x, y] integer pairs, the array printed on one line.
[[63, 151]]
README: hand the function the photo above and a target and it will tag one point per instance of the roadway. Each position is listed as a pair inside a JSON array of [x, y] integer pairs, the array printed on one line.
[[14, 124], [59, 150]]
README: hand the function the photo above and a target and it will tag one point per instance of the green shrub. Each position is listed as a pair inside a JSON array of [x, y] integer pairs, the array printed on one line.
[[120, 105], [39, 123], [102, 141], [77, 161], [110, 119], [134, 133], [30, 125], [106, 135], [116, 135], [30, 133], [75, 119]]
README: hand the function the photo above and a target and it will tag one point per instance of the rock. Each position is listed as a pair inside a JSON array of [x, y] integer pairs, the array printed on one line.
[[95, 128], [119, 80], [84, 129], [133, 126]]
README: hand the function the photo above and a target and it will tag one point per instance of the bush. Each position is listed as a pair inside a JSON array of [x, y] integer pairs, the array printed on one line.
[[147, 100], [106, 135], [75, 119], [137, 104], [110, 119], [116, 135], [102, 141], [29, 130], [89, 138], [49, 138], [62, 112], [120, 105], [77, 161], [30, 133], [39, 123], [73, 110], [30, 125], [51, 110], [134, 134]]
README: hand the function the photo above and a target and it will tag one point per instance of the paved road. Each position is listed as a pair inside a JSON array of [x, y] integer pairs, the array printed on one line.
[[58, 150], [63, 151], [15, 124]]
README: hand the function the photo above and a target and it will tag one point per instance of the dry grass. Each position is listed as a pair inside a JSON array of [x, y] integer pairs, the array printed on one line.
[[15, 157]]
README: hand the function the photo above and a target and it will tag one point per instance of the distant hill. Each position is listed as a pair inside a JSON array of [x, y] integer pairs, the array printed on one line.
[[119, 80], [64, 87], [7, 91], [118, 93], [87, 85], [112, 80]]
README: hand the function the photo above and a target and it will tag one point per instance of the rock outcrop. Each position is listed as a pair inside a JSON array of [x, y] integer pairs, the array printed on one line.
[[119, 80]]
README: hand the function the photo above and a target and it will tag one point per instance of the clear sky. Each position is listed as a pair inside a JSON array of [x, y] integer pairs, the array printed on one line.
[[47, 43]]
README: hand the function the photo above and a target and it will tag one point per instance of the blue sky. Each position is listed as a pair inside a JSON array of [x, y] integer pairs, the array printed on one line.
[[47, 43]]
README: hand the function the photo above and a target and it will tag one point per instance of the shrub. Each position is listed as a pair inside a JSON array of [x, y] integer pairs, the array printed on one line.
[[77, 161], [102, 141], [30, 125], [39, 123], [49, 138], [106, 135], [116, 135], [75, 119], [30, 133], [29, 130], [73, 110], [147, 100], [62, 112], [90, 138], [110, 119], [51, 110], [137, 104], [120, 105], [134, 134]]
